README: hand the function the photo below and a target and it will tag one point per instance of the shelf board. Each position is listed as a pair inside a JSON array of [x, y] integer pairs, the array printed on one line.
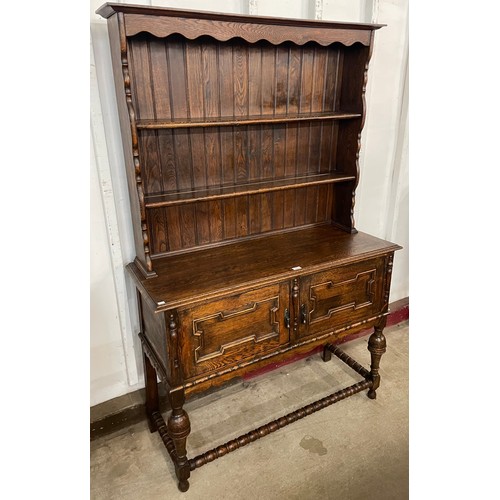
[[220, 192], [211, 272], [221, 121]]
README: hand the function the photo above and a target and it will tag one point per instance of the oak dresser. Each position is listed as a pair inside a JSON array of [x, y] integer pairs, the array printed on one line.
[[241, 138]]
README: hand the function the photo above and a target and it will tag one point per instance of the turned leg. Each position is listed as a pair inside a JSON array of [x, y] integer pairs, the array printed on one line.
[[327, 354], [377, 347], [178, 429], [152, 400]]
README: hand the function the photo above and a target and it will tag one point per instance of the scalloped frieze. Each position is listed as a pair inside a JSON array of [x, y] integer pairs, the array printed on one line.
[[223, 31]]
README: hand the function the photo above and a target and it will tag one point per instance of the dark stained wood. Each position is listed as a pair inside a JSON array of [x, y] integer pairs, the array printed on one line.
[[277, 210], [140, 71], [129, 138], [254, 113], [245, 120], [354, 65], [223, 333], [108, 9], [266, 204], [326, 355], [173, 223], [159, 80], [351, 96], [179, 427], [152, 397], [216, 220], [275, 425], [153, 326], [107, 417], [267, 85], [276, 96], [161, 426], [240, 103], [282, 354], [148, 144], [377, 346], [241, 136], [254, 214], [229, 219], [257, 261], [226, 108], [196, 108], [211, 86], [245, 216], [198, 158], [188, 225], [241, 217], [167, 160], [223, 30], [342, 295], [215, 193], [333, 349], [281, 81]]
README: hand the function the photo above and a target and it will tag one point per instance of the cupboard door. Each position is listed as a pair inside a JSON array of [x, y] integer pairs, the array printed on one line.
[[227, 331], [341, 296]]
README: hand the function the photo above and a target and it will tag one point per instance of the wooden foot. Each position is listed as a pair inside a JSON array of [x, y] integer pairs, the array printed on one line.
[[327, 354], [178, 429], [377, 347], [152, 399], [183, 485]]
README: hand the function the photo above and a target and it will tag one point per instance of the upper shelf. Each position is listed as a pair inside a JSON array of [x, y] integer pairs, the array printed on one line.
[[221, 192], [220, 121]]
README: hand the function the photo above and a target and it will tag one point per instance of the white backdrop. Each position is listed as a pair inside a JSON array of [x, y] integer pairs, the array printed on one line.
[[381, 199]]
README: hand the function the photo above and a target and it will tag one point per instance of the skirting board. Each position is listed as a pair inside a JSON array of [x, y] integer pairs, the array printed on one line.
[[128, 409]]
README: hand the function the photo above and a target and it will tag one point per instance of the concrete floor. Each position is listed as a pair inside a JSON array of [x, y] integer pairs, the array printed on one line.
[[356, 449]]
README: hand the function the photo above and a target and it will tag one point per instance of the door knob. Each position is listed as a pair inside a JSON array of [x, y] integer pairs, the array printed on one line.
[[303, 314]]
